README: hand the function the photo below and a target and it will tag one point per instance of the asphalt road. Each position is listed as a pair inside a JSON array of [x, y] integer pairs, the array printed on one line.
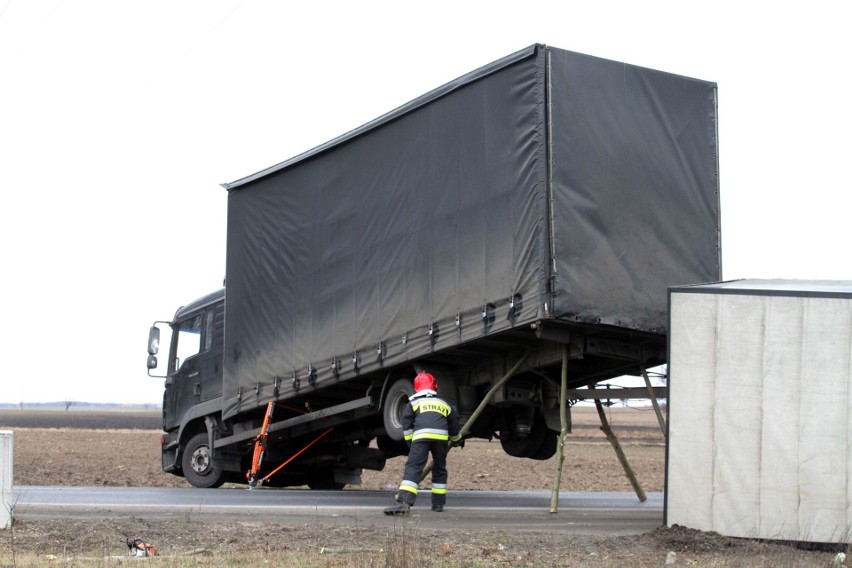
[[578, 513]]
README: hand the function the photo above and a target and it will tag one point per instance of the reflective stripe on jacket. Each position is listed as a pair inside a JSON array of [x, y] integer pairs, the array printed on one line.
[[428, 417]]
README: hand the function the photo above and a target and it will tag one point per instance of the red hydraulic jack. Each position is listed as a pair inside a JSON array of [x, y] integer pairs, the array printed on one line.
[[260, 447]]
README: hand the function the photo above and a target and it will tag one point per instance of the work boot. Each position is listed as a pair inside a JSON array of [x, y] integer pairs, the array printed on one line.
[[438, 508], [402, 508]]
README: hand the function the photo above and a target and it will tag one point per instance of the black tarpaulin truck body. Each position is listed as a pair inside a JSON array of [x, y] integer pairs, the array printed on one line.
[[547, 188]]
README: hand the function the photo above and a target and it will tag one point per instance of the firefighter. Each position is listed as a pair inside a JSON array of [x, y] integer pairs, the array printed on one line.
[[429, 425]]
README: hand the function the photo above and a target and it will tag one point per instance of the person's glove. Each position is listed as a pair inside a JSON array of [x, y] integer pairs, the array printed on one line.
[[457, 443]]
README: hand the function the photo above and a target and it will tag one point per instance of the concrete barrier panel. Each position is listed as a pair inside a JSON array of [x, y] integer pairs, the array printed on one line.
[[6, 445], [760, 392]]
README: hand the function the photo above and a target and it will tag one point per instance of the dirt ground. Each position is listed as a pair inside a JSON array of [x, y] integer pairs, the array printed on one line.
[[81, 447]]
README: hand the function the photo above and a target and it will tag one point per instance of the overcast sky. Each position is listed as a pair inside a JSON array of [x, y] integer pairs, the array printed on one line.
[[119, 120]]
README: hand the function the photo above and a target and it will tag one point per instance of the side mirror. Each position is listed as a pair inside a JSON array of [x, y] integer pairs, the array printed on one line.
[[153, 345]]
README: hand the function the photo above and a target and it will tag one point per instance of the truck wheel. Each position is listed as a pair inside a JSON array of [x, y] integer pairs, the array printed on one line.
[[548, 447], [395, 402], [325, 482], [530, 446], [521, 447], [199, 469], [392, 448]]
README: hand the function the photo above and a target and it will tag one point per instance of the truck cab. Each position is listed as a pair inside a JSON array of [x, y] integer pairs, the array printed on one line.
[[193, 372], [208, 451]]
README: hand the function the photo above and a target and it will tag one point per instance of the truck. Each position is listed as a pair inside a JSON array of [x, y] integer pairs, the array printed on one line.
[[526, 217]]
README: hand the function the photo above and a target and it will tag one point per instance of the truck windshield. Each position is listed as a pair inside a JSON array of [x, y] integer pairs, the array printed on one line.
[[188, 340]]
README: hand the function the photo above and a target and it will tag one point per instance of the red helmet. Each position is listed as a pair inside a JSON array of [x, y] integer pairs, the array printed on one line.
[[425, 381]]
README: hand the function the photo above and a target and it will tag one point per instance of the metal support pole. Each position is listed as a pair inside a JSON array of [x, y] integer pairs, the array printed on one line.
[[563, 433], [620, 453], [653, 398]]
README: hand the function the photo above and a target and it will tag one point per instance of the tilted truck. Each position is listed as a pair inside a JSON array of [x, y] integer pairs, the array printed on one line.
[[548, 199]]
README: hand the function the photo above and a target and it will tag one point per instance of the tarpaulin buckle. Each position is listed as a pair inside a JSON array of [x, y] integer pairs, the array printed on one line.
[[434, 333], [488, 316], [516, 304]]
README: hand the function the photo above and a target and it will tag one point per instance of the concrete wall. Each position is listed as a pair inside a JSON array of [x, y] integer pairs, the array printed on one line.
[[760, 427]]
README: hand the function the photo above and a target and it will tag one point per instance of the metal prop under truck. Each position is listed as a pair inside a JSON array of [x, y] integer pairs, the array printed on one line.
[[548, 199]]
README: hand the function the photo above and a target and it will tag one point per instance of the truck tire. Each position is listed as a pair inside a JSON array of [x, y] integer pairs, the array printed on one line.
[[392, 448], [396, 400], [198, 466], [523, 447], [324, 482], [539, 445], [548, 446]]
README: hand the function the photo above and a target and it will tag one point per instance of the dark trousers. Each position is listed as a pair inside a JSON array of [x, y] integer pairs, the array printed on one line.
[[417, 458]]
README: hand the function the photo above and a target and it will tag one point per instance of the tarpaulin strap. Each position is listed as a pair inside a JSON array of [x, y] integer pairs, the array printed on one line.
[[260, 446], [297, 454]]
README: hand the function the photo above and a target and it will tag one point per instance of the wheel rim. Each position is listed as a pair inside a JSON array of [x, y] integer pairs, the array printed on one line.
[[397, 406], [201, 460]]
